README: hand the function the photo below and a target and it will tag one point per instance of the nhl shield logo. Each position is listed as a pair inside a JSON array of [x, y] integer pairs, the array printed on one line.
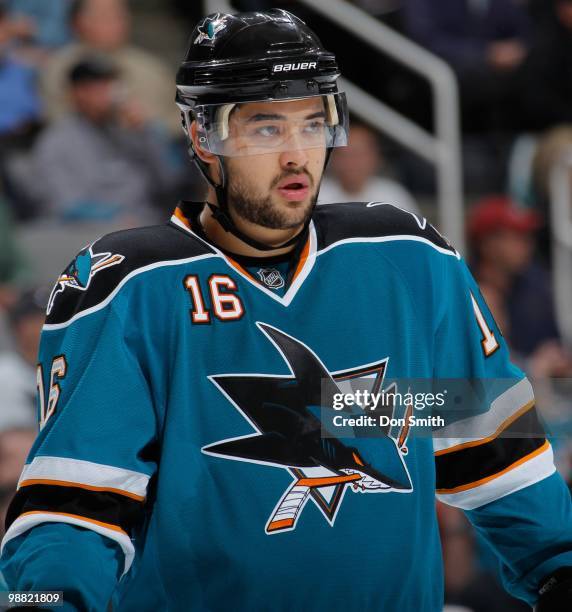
[[271, 278]]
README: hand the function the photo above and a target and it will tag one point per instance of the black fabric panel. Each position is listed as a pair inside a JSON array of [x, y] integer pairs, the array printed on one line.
[[103, 506], [335, 222], [140, 247], [468, 465]]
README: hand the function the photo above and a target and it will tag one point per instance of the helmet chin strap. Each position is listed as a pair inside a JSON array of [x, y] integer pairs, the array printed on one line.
[[222, 215]]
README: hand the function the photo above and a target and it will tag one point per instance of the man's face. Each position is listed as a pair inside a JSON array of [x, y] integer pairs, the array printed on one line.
[[509, 250], [95, 99], [104, 24], [355, 164], [4, 32], [278, 189], [564, 13]]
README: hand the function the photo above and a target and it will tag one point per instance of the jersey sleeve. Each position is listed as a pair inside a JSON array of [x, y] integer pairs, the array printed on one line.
[[492, 457], [93, 461], [38, 560]]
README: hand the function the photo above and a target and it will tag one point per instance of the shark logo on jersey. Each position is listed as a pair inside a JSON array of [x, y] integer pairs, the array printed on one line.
[[209, 28], [79, 273], [286, 412]]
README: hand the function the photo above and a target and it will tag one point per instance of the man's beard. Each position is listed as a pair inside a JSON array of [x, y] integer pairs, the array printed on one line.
[[262, 210]]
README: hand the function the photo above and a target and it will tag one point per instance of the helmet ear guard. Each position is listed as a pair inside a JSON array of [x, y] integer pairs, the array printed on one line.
[[187, 121]]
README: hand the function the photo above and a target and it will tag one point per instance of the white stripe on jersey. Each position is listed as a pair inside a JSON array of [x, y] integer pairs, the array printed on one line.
[[485, 425], [396, 238], [25, 522], [527, 473], [77, 471]]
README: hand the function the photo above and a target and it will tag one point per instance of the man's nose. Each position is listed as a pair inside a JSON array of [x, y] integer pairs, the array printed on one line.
[[295, 155]]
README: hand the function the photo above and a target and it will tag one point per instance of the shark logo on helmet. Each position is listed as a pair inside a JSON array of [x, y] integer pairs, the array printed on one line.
[[286, 413], [209, 28]]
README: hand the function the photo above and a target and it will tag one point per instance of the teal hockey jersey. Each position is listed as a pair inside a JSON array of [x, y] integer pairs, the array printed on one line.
[[183, 463]]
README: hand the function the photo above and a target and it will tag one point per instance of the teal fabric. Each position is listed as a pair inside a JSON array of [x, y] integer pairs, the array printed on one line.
[[151, 393]]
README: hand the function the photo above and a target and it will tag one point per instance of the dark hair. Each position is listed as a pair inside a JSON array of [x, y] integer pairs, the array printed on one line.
[[31, 302], [92, 68], [3, 10]]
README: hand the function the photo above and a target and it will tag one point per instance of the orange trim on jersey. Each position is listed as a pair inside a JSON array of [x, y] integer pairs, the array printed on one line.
[[236, 265], [303, 259], [327, 481], [282, 524], [181, 217], [357, 459], [483, 481], [77, 516], [65, 483], [501, 428], [405, 431]]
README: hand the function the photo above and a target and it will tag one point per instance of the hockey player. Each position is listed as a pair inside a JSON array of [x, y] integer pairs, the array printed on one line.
[[185, 460]]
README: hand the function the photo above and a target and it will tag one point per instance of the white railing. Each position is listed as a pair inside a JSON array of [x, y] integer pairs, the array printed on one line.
[[442, 149], [561, 225]]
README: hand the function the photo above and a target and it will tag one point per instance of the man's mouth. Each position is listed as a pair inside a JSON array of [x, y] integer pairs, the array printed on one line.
[[294, 188]]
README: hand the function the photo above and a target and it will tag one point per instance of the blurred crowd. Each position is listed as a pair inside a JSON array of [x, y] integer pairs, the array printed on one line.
[[90, 136]]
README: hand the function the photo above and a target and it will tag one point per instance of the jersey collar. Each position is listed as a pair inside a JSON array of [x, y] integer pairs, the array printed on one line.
[[306, 260]]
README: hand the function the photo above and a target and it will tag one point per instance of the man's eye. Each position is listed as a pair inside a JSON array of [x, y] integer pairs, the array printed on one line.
[[315, 127], [267, 131]]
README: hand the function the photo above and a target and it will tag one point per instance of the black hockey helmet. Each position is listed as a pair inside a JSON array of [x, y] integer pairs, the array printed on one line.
[[257, 56], [269, 56]]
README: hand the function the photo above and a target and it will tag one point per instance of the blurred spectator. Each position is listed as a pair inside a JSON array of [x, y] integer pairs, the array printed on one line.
[[9, 272], [550, 148], [355, 174], [533, 160], [40, 23], [103, 26], [19, 102], [516, 288], [485, 42], [18, 368], [105, 161], [547, 94], [15, 444], [12, 266]]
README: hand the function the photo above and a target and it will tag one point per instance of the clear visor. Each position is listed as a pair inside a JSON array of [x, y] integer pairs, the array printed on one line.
[[258, 128]]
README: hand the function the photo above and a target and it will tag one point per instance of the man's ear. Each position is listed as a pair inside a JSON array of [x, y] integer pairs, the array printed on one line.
[[203, 154], [210, 159]]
